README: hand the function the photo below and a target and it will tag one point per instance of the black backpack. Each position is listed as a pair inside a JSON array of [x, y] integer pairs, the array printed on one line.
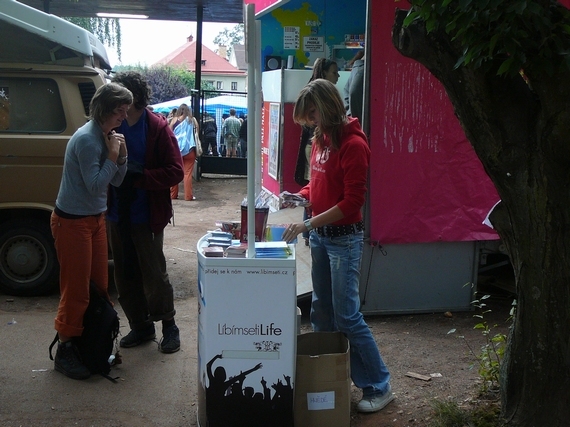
[[100, 331]]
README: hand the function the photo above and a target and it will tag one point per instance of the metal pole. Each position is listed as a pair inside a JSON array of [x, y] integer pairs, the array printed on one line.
[[250, 44], [198, 66]]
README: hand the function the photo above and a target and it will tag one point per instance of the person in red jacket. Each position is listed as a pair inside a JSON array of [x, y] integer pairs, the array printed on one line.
[[139, 210], [339, 167]]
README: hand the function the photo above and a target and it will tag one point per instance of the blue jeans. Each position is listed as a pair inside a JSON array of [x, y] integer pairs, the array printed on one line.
[[336, 307]]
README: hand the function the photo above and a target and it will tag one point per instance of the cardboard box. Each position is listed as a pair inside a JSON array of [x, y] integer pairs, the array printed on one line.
[[322, 380]]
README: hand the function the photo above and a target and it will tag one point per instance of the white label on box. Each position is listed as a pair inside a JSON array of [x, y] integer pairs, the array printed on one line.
[[320, 401]]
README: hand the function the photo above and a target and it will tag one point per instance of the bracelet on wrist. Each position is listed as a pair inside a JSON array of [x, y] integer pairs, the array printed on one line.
[[121, 160]]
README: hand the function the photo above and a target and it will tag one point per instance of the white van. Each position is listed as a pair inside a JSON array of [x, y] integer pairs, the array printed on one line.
[[49, 71]]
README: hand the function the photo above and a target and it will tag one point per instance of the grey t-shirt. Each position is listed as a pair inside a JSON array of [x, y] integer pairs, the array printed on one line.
[[354, 90]]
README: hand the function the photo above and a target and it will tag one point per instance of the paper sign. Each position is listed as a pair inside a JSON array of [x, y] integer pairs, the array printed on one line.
[[291, 37], [320, 401], [313, 44]]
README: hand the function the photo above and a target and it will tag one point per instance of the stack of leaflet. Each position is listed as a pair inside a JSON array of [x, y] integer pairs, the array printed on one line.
[[220, 238], [293, 199], [238, 250], [272, 250], [213, 251]]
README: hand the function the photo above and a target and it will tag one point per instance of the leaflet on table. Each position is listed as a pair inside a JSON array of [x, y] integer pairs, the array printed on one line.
[[275, 232], [272, 250], [213, 251], [295, 199], [219, 238], [238, 250]]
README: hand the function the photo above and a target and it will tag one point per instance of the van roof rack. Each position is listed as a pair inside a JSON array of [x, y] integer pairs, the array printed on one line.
[[39, 37]]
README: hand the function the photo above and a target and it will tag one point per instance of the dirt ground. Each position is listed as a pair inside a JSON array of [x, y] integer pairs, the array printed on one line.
[[411, 343]]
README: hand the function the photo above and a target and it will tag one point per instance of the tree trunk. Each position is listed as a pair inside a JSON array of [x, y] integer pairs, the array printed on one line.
[[522, 137]]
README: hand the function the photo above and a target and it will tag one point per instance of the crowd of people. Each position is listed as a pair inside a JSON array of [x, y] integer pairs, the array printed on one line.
[[232, 134]]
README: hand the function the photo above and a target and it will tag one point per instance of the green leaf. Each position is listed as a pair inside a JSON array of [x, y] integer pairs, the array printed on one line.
[[448, 29], [410, 18], [459, 62], [505, 66], [534, 8], [492, 43], [519, 7], [498, 338], [431, 25]]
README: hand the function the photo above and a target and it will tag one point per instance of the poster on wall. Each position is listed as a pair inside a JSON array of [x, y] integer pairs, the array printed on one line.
[[314, 44], [291, 37], [273, 140]]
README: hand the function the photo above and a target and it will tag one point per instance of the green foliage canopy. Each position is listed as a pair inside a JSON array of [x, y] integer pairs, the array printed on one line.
[[167, 82], [229, 37], [108, 30], [522, 34]]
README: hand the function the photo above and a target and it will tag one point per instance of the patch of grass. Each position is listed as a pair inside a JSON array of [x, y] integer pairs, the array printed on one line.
[[450, 414], [493, 351]]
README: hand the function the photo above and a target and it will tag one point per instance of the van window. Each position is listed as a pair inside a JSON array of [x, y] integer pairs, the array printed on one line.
[[30, 105]]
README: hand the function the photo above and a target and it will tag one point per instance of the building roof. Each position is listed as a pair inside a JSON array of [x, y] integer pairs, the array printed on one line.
[[212, 63], [238, 54]]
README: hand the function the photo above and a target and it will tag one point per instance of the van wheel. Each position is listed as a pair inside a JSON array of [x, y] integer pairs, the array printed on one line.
[[28, 261]]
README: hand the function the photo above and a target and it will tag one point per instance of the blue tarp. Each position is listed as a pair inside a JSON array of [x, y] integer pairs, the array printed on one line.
[[219, 105]]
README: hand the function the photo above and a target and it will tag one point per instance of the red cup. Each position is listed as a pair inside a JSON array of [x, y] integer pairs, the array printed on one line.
[[261, 215]]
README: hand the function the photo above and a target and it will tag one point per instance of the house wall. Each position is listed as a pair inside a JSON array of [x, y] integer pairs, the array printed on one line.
[[226, 82]]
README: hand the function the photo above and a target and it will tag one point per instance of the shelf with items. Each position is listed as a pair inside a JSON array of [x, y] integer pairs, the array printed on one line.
[[341, 60], [344, 46]]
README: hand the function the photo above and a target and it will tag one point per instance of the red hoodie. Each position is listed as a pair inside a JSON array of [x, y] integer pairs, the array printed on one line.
[[163, 169], [339, 177]]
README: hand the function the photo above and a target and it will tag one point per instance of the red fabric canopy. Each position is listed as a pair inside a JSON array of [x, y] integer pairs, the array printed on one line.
[[426, 182]]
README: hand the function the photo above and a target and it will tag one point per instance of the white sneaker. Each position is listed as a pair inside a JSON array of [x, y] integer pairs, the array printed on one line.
[[376, 403]]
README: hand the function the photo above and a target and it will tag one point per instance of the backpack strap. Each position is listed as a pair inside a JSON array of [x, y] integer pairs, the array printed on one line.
[[110, 378], [51, 358], [52, 344]]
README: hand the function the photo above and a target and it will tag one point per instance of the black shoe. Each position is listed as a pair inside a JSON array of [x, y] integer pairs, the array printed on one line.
[[67, 362], [138, 336], [170, 342]]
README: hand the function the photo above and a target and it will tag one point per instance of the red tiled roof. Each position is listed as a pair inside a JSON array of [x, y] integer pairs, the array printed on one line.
[[186, 55]]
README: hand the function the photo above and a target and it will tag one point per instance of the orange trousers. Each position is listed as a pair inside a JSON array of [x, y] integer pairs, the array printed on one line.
[[82, 252], [189, 161]]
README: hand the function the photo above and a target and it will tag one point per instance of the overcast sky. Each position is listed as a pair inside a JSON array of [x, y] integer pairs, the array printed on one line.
[[144, 41]]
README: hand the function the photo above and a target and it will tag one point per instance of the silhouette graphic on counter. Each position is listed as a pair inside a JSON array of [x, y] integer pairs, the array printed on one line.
[[230, 404]]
